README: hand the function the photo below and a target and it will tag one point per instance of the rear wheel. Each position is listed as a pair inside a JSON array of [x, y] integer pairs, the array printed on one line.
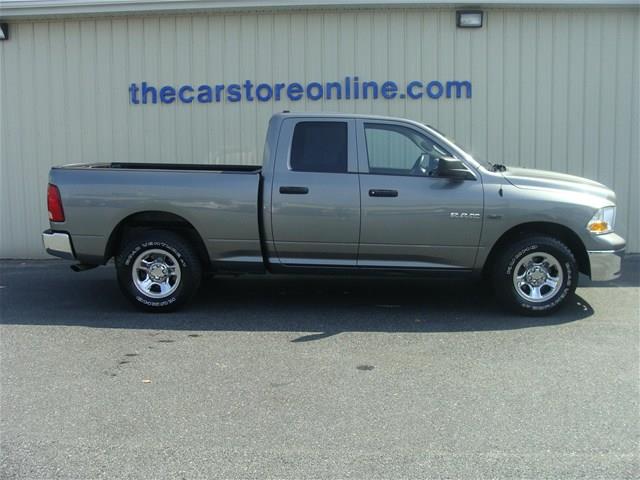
[[158, 271], [535, 276]]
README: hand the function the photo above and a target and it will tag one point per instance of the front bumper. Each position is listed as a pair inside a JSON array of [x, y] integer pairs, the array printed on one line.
[[58, 244], [605, 264]]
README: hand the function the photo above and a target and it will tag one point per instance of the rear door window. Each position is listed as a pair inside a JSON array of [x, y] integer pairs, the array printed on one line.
[[319, 147]]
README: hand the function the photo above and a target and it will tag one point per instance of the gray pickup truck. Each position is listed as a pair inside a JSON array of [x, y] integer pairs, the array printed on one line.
[[339, 194]]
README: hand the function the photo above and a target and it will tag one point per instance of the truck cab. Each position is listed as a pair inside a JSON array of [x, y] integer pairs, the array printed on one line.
[[365, 192]]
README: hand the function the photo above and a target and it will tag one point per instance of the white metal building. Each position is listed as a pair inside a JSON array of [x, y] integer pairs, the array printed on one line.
[[549, 84]]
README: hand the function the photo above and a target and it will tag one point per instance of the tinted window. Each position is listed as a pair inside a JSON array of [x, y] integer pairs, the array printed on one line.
[[319, 147], [395, 150]]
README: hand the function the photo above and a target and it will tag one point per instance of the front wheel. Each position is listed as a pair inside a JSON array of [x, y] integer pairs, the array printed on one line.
[[158, 271], [535, 276]]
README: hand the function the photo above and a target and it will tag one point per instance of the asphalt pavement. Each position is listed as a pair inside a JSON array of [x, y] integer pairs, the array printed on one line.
[[314, 377]]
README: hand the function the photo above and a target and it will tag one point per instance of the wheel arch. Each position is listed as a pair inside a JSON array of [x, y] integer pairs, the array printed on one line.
[[155, 220], [555, 230]]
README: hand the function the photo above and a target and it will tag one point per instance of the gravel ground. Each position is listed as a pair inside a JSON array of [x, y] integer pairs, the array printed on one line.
[[306, 377]]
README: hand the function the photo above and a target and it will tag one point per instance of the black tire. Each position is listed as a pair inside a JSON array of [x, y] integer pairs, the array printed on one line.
[[179, 271], [523, 268]]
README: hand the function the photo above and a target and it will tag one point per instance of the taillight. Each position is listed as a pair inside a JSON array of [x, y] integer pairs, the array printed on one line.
[[54, 204]]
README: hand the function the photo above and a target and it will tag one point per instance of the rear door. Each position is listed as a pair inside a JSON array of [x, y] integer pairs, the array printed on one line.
[[411, 219], [315, 208]]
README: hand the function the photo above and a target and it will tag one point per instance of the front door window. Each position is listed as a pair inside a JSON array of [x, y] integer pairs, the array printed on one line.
[[395, 150]]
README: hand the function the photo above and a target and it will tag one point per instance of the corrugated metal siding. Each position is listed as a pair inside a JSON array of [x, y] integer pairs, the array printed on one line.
[[552, 88]]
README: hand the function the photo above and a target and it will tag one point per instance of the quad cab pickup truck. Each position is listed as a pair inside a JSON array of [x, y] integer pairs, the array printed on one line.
[[340, 194]]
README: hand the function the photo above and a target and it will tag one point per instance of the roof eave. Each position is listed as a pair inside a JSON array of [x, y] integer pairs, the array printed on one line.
[[46, 8]]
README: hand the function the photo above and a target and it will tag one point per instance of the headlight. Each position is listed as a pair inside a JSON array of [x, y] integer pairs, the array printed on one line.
[[603, 221]]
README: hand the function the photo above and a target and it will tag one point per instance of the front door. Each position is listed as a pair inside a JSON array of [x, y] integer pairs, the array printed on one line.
[[411, 219], [315, 210]]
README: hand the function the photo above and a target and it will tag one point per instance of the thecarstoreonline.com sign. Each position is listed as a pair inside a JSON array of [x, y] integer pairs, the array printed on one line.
[[350, 88]]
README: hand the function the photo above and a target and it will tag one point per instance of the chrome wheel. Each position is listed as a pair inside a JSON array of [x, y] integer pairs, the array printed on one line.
[[156, 273], [538, 277]]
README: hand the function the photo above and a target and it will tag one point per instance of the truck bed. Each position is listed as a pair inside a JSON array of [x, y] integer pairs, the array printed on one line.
[[219, 201]]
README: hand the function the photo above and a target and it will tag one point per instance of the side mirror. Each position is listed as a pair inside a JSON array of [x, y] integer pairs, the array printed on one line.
[[449, 167]]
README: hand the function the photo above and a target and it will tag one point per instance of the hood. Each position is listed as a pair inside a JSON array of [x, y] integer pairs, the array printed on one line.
[[530, 178]]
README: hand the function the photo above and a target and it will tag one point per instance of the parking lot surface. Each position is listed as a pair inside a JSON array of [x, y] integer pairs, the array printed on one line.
[[296, 377]]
